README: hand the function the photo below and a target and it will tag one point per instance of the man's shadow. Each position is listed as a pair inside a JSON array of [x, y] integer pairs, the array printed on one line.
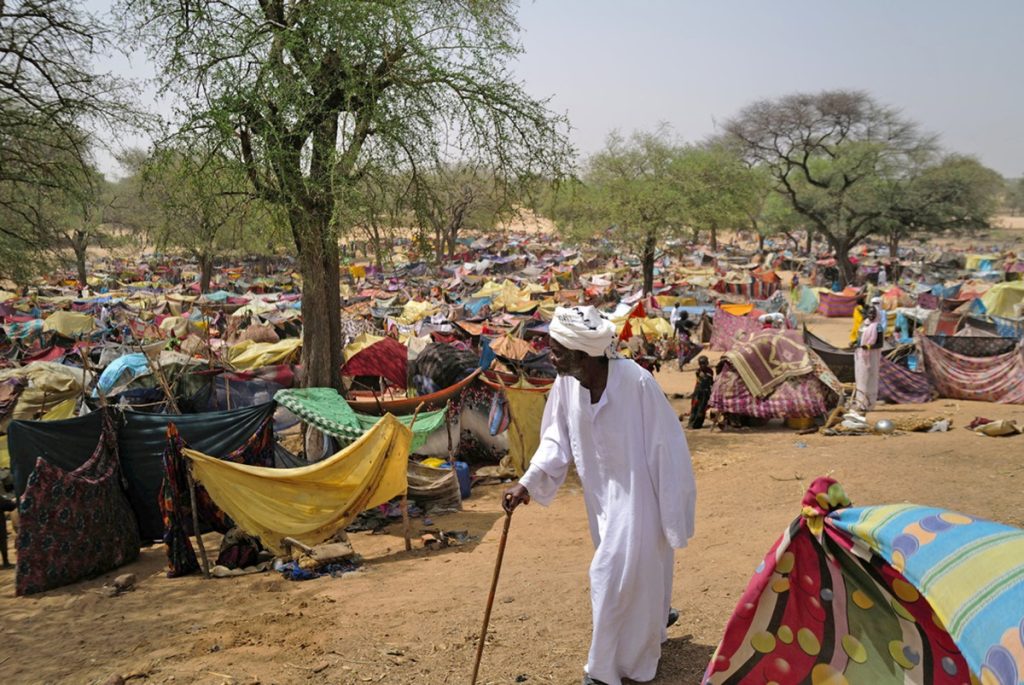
[[682, 662]]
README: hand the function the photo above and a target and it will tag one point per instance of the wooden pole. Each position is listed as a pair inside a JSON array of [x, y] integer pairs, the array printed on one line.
[[406, 525], [490, 596], [195, 521]]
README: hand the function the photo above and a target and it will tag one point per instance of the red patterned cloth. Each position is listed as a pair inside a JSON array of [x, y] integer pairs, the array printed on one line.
[[387, 358], [74, 524]]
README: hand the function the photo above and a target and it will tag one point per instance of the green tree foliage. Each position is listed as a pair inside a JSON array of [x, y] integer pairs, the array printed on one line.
[[50, 99], [827, 153], [310, 94], [629, 194], [721, 190], [954, 192], [646, 189], [200, 205]]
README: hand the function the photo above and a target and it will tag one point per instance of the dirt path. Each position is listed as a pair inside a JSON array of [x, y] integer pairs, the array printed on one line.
[[413, 617]]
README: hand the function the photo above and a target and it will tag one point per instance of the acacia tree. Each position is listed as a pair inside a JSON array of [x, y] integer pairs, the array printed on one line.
[[628, 193], [955, 192], [826, 153], [201, 205], [721, 191], [310, 93], [453, 197]]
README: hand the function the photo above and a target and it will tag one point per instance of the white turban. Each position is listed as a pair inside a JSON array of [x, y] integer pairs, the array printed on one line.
[[584, 329]]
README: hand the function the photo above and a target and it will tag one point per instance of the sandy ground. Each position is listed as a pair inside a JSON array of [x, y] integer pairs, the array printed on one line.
[[413, 617]]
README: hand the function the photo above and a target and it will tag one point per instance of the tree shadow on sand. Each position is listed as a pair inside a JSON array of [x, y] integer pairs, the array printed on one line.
[[682, 661]]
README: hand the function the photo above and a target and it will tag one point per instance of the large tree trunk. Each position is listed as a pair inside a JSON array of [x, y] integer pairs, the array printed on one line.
[[321, 298], [205, 272], [714, 237], [894, 246], [648, 263], [841, 245], [810, 242], [760, 242]]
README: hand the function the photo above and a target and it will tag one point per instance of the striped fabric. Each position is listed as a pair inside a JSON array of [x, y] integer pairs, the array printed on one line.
[[970, 570], [887, 595], [898, 385], [986, 379], [835, 305]]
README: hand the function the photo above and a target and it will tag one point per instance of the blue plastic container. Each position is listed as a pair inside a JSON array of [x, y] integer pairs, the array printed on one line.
[[465, 480]]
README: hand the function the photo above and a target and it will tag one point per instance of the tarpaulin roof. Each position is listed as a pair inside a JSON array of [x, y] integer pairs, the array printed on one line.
[[386, 357], [141, 440]]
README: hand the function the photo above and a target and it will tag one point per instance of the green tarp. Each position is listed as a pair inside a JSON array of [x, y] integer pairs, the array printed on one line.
[[328, 411]]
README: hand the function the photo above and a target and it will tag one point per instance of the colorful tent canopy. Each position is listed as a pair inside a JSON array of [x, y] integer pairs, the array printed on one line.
[[1002, 298], [883, 595], [987, 379], [386, 357], [309, 503], [328, 411], [252, 355]]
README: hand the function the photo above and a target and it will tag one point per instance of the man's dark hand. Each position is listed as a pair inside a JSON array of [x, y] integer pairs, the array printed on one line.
[[513, 497]]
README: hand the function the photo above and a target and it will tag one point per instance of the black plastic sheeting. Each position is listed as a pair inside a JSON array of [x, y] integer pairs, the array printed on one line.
[[141, 439]]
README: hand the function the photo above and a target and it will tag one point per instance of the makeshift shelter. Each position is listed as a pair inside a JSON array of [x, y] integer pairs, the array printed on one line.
[[325, 409], [837, 304], [899, 385], [141, 440], [524, 404], [884, 595], [383, 358], [727, 328], [774, 375], [309, 503], [1005, 299], [986, 379]]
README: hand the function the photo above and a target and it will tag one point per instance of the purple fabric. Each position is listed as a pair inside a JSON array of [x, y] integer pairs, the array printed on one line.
[[898, 385]]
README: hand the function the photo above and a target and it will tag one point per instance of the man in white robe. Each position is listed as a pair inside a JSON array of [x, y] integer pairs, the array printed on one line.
[[610, 418]]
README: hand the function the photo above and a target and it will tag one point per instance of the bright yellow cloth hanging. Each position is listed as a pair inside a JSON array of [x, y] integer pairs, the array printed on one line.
[[310, 503]]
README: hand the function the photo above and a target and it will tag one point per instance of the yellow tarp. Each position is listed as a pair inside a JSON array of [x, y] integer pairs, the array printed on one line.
[[526, 406], [69, 324], [249, 355], [414, 311], [310, 503], [737, 309], [49, 384], [1001, 298]]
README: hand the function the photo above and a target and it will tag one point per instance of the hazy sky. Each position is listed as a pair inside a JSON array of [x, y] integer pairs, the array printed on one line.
[[953, 66]]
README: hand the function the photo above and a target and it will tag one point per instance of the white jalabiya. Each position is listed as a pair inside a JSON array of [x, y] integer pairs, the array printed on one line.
[[638, 486]]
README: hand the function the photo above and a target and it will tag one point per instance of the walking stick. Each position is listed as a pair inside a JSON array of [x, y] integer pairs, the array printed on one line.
[[490, 597]]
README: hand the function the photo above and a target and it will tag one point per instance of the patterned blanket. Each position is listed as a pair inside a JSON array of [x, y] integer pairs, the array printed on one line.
[[899, 385], [74, 524], [770, 358], [883, 595], [727, 329], [803, 397], [986, 379], [975, 345]]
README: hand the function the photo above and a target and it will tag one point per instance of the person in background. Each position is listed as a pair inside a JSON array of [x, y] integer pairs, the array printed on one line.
[[858, 319], [867, 359], [701, 393], [883, 317]]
